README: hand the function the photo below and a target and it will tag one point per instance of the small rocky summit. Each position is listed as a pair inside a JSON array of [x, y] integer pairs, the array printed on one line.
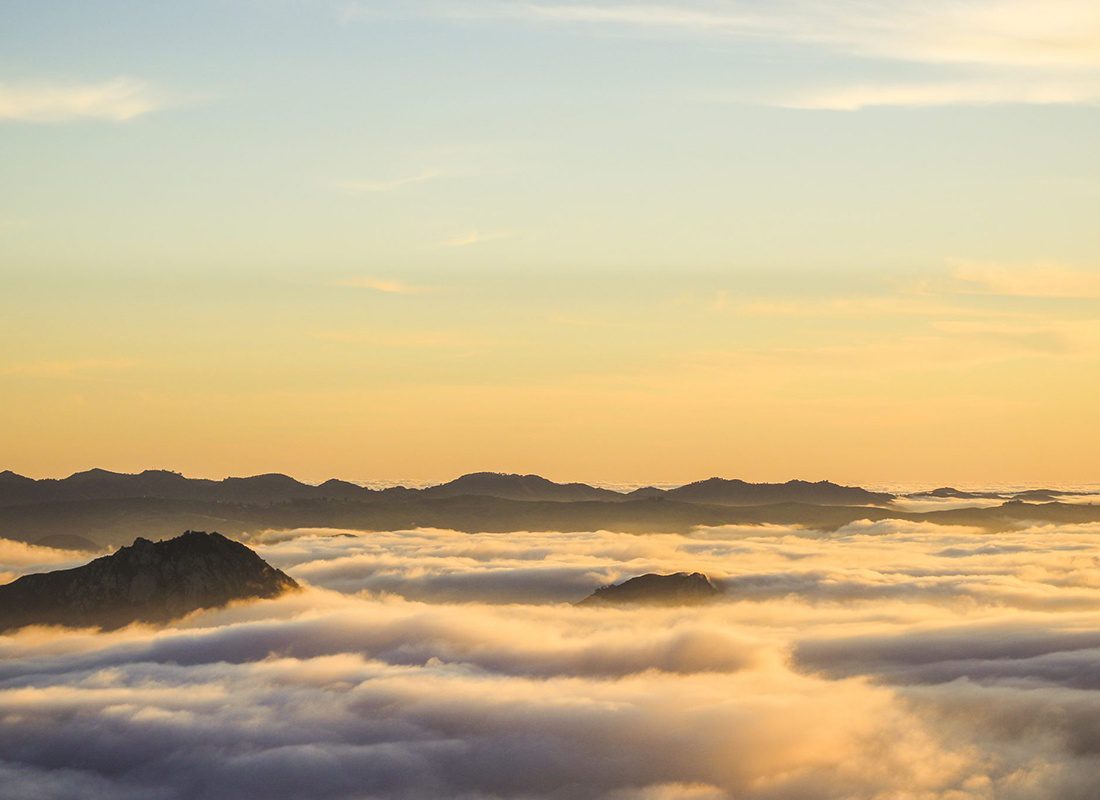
[[678, 589], [147, 582]]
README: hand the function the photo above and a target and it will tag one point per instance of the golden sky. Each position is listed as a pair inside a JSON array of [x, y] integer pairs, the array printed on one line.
[[597, 241]]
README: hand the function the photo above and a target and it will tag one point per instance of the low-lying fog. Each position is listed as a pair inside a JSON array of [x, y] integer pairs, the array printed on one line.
[[887, 660]]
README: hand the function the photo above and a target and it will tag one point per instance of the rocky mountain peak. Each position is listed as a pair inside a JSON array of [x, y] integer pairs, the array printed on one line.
[[680, 588], [146, 581]]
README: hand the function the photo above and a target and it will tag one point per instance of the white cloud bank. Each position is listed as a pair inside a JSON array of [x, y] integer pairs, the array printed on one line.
[[886, 659]]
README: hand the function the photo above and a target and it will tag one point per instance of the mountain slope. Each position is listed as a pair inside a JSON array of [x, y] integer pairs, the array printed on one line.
[[271, 489], [147, 581], [99, 484], [740, 493], [519, 487], [678, 589]]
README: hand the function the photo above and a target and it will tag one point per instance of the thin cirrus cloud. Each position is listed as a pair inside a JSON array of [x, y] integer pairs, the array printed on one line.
[[474, 237], [116, 100], [1000, 51], [855, 98], [68, 369], [382, 285], [1038, 280], [850, 307], [1059, 33]]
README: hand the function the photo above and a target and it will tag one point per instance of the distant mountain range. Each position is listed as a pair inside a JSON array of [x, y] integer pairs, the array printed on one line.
[[98, 484], [96, 509], [147, 581], [1036, 495]]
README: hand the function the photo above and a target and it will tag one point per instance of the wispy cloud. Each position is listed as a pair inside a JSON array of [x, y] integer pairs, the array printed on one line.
[[383, 285], [390, 185], [854, 98], [474, 237], [1000, 51], [1057, 33], [116, 100], [853, 307], [1038, 280], [68, 369], [1043, 337]]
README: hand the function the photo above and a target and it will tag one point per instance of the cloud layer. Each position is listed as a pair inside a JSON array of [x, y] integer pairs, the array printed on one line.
[[884, 660]]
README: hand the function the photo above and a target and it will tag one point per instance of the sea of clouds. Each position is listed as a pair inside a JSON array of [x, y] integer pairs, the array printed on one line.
[[884, 660]]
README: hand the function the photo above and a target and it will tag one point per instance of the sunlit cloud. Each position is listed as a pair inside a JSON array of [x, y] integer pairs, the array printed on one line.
[[1061, 33], [883, 659], [1050, 336], [1037, 280], [19, 558], [855, 307], [854, 98], [1002, 51], [116, 100]]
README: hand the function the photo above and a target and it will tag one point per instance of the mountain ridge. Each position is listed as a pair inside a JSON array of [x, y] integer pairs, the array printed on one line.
[[143, 582], [676, 589], [275, 488]]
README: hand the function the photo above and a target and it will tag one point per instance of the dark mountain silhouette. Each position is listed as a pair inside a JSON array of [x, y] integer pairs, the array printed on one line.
[[519, 487], [679, 589], [1035, 495], [269, 488], [10, 481], [1041, 495], [952, 492], [147, 581], [647, 493], [740, 493], [117, 522], [342, 489], [98, 484], [111, 509]]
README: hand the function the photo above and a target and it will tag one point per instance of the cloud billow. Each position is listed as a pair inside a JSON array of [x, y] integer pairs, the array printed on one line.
[[893, 659]]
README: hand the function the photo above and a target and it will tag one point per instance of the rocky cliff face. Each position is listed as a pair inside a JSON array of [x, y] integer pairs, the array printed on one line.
[[681, 588], [147, 581]]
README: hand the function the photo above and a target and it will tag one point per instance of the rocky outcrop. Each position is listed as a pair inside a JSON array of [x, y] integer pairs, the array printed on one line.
[[147, 581], [678, 589]]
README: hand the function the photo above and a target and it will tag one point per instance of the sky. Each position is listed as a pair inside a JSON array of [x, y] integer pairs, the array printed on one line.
[[602, 241]]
